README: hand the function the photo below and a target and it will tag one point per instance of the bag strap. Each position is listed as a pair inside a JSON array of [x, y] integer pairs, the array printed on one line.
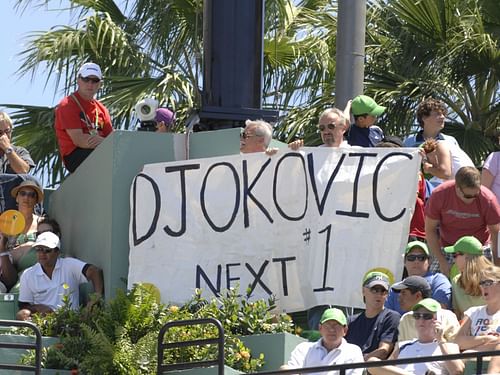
[[87, 120]]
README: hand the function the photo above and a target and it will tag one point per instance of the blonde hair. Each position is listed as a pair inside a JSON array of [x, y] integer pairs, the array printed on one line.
[[4, 117], [473, 271], [491, 273]]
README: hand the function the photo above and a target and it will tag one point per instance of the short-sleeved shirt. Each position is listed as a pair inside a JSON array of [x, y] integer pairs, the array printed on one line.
[[312, 354], [414, 348], [440, 287], [458, 219], [368, 333], [461, 300], [5, 166], [492, 164], [70, 116], [37, 288], [481, 322], [364, 137]]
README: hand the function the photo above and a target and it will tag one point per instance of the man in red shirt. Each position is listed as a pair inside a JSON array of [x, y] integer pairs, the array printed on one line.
[[82, 122], [461, 208]]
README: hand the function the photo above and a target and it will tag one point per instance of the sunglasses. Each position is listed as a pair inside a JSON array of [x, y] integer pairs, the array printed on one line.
[[244, 135], [469, 196], [88, 79], [44, 250], [376, 290], [424, 316], [486, 283], [30, 194], [458, 254], [6, 131], [412, 258], [331, 126]]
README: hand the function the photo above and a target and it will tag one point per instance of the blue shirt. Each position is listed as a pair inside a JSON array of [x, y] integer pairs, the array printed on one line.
[[364, 137], [441, 292]]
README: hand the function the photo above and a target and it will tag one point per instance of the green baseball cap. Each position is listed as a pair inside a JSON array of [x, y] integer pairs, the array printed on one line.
[[376, 278], [362, 104], [466, 245], [428, 303], [419, 244], [333, 314]]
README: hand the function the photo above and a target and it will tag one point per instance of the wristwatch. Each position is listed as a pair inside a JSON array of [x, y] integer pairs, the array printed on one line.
[[9, 150]]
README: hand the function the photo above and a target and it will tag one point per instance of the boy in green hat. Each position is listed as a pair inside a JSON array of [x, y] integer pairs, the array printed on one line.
[[363, 132]]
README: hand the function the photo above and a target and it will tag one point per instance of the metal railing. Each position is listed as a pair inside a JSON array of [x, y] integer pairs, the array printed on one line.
[[162, 346], [342, 368], [37, 346]]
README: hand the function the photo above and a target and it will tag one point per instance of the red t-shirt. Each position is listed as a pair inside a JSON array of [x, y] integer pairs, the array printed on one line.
[[458, 219], [417, 224], [70, 116]]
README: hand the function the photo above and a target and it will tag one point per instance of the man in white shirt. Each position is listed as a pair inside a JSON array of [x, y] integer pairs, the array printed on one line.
[[45, 286], [331, 349]]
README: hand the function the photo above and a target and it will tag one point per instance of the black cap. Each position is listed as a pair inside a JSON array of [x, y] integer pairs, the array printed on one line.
[[414, 283]]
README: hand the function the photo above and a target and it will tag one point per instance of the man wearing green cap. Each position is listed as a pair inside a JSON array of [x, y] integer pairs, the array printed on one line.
[[331, 349], [363, 132], [430, 342]]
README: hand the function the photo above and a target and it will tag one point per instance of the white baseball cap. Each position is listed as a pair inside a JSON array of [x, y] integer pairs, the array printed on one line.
[[90, 69], [48, 240]]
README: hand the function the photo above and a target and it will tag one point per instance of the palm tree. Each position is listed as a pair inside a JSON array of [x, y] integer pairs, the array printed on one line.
[[442, 48]]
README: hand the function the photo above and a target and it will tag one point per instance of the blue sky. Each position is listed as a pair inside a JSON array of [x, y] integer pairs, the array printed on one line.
[[13, 29]]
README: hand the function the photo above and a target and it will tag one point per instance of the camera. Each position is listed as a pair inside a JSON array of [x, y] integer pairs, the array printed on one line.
[[146, 112]]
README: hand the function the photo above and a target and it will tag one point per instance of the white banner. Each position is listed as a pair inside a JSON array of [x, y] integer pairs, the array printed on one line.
[[302, 226]]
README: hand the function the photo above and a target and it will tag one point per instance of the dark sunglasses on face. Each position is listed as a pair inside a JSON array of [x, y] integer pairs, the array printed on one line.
[[486, 283], [468, 196], [44, 250], [457, 254], [244, 135], [424, 316], [88, 79], [331, 126], [378, 290], [412, 258], [29, 194], [6, 131]]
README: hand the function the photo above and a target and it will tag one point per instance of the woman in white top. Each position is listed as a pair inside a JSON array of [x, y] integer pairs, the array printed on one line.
[[430, 342]]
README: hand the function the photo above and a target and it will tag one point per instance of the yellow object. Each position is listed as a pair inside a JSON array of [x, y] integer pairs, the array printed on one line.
[[12, 222], [386, 271]]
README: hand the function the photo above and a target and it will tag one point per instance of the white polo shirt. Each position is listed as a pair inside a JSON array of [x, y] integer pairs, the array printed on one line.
[[312, 354], [37, 288]]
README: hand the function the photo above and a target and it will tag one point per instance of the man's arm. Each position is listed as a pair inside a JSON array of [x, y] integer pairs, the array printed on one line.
[[431, 234], [493, 229], [382, 352], [83, 140], [17, 164], [94, 275]]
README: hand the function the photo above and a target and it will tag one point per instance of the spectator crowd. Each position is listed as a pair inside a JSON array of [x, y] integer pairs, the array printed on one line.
[[447, 300]]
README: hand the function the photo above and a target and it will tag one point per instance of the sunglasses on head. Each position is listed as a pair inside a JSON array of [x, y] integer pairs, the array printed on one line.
[[486, 283], [413, 257], [331, 126], [424, 316], [89, 79], [44, 250], [30, 194]]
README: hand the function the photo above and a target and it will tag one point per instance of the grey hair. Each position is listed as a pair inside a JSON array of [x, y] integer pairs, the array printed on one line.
[[339, 113], [262, 129]]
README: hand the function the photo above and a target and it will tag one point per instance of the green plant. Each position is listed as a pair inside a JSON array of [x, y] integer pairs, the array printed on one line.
[[120, 337]]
